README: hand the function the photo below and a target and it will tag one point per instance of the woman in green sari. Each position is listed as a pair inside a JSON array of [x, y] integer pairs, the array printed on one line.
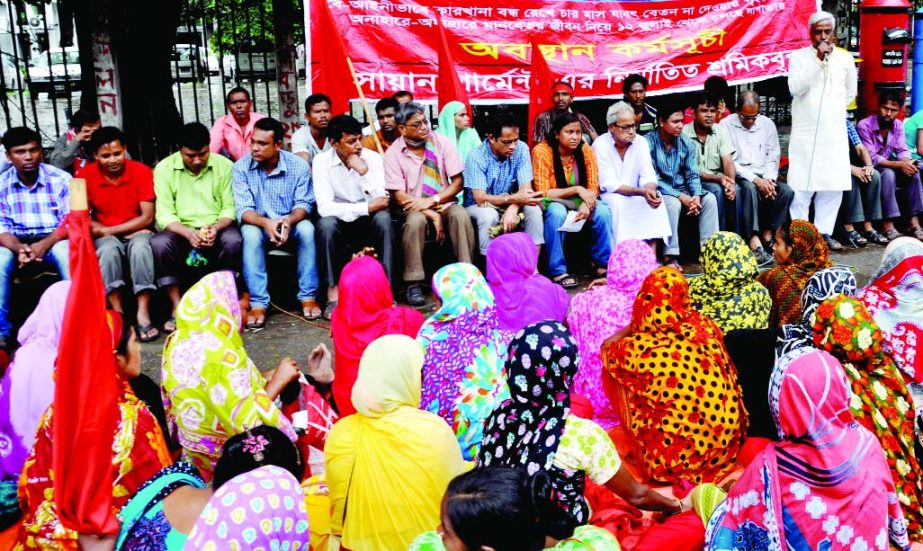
[[455, 124], [212, 390]]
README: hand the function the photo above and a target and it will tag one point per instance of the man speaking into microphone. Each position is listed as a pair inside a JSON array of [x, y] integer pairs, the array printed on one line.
[[822, 80]]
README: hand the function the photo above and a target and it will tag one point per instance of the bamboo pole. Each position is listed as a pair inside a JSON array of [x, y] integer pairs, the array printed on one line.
[[365, 105], [78, 194]]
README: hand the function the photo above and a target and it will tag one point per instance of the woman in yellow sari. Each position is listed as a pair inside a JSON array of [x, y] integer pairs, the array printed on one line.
[[389, 464]]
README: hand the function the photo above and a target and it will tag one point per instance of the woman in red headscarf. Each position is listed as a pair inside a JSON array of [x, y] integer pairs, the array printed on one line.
[[365, 311]]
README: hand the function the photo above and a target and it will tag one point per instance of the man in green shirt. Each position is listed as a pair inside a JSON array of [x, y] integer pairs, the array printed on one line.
[[913, 126], [194, 212], [715, 151]]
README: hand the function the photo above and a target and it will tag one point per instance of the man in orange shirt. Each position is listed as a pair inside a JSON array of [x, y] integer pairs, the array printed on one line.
[[385, 110], [120, 193]]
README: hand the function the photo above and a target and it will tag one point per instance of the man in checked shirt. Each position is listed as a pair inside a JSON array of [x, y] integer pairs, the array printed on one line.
[[33, 202]]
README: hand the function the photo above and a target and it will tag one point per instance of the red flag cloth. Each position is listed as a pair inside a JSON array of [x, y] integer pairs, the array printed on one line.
[[448, 85], [540, 83], [86, 395], [333, 75]]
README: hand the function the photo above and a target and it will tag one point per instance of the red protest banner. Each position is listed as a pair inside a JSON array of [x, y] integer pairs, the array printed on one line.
[[675, 44]]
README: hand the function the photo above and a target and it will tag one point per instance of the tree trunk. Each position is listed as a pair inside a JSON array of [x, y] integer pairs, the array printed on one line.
[[141, 34], [286, 64]]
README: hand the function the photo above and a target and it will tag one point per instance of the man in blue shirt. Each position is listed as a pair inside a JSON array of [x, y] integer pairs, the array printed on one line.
[[274, 197], [33, 203], [678, 180], [498, 183]]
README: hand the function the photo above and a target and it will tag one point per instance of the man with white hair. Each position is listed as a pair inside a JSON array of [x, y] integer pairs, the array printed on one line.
[[822, 80], [627, 180]]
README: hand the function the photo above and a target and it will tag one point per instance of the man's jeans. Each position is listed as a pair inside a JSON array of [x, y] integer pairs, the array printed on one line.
[[256, 243], [57, 257], [600, 224]]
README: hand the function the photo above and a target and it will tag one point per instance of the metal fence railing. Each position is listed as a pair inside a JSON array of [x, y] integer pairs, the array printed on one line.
[[219, 44]]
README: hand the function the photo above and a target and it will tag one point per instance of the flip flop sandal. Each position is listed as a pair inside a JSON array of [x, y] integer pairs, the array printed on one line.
[[144, 333], [311, 306], [328, 310], [171, 320], [255, 314], [566, 280], [675, 265]]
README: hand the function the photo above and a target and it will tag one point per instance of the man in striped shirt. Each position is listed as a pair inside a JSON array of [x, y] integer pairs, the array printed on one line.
[[33, 203], [678, 181]]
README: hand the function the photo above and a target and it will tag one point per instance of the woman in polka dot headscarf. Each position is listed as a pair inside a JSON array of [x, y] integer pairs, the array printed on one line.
[[678, 389], [259, 510]]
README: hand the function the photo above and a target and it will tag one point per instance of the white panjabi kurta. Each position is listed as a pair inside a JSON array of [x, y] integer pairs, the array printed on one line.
[[632, 217], [821, 92]]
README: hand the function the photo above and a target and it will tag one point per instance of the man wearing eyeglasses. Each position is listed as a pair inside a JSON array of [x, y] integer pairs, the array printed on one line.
[[627, 180], [498, 184], [423, 173], [764, 202]]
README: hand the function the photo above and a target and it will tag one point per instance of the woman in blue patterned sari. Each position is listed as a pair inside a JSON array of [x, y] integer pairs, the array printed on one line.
[[464, 354]]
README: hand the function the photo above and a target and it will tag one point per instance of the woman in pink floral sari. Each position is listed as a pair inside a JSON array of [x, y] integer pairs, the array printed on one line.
[[599, 313]]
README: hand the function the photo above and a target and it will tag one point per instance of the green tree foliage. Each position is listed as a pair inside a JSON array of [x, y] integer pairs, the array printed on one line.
[[230, 24]]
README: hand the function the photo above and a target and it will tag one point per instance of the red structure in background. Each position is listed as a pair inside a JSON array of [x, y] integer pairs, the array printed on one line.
[[884, 26]]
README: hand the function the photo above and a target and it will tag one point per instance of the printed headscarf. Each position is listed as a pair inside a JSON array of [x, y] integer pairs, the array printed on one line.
[[525, 430], [827, 283], [599, 313], [464, 373], [785, 282], [678, 388], [826, 479], [881, 401], [728, 292]]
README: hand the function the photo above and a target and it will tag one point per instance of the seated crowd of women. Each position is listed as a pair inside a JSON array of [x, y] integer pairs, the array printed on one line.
[[780, 410]]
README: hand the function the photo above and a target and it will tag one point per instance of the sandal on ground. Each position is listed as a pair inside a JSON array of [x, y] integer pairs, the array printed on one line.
[[855, 239], [310, 309], [832, 243], [256, 319], [673, 263], [874, 237], [169, 326], [917, 232], [148, 333], [328, 310], [565, 280], [893, 234]]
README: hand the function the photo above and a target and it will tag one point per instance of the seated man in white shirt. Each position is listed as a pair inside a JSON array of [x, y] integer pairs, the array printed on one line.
[[765, 202], [627, 181], [349, 187]]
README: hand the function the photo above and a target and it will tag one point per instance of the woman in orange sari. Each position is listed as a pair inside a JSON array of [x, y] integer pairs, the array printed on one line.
[[139, 453], [678, 390]]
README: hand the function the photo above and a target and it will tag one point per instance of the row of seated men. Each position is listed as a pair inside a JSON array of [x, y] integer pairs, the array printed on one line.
[[334, 194]]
